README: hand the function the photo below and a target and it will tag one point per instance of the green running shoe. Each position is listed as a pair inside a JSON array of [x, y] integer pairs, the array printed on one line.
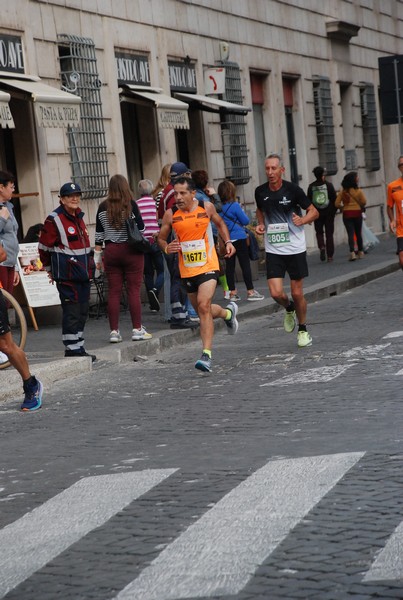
[[289, 321], [304, 339]]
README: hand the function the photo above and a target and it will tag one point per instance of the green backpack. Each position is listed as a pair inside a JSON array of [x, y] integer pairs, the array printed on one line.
[[320, 196]]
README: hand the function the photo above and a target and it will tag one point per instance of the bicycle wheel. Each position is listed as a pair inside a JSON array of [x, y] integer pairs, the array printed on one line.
[[19, 329]]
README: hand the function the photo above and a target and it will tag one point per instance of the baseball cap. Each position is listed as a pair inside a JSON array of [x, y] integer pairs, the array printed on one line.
[[69, 188], [179, 168]]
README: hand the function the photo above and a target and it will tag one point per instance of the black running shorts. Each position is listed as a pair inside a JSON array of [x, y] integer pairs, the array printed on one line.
[[399, 244], [277, 265], [192, 284]]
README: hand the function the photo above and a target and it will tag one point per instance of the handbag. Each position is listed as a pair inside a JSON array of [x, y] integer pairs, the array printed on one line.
[[135, 238], [253, 246]]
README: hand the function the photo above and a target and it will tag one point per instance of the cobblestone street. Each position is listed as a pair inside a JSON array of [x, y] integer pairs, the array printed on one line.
[[279, 475]]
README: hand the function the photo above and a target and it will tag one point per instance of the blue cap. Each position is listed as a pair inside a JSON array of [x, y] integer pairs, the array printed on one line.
[[179, 168], [69, 188]]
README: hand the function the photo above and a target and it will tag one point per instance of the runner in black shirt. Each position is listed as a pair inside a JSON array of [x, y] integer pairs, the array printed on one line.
[[279, 215]]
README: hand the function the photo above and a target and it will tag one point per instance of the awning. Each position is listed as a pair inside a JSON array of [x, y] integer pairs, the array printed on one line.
[[6, 118], [53, 107], [171, 113], [210, 104]]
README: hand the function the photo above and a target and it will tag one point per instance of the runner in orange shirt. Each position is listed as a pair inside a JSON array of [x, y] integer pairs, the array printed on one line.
[[394, 206], [190, 221]]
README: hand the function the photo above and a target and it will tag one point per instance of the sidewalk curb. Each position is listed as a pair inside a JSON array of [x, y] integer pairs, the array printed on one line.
[[62, 368]]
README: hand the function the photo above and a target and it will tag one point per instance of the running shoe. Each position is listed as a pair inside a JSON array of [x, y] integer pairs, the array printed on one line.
[[289, 321], [32, 395], [232, 323], [73, 354], [115, 336], [227, 295], [234, 297], [254, 296], [322, 254], [140, 334], [183, 324], [304, 339], [153, 300], [3, 358], [204, 363]]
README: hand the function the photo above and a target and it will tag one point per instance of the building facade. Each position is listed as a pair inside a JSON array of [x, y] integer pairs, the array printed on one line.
[[89, 88]]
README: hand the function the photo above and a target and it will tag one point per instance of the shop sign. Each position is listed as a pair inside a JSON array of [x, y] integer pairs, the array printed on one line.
[[11, 55], [170, 118], [182, 77], [214, 81], [57, 114], [132, 68], [6, 118]]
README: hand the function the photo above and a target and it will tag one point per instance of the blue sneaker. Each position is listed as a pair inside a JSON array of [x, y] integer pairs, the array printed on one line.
[[33, 396], [204, 363]]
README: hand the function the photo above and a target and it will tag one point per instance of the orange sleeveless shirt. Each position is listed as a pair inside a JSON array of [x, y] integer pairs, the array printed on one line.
[[193, 231]]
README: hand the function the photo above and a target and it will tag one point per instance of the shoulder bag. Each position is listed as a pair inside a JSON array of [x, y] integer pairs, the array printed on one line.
[[135, 238]]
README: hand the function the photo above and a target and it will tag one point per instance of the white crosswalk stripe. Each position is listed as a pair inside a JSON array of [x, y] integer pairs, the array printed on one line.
[[389, 562], [219, 553], [29, 543]]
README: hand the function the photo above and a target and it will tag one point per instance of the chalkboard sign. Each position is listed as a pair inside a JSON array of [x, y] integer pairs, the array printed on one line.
[[34, 279]]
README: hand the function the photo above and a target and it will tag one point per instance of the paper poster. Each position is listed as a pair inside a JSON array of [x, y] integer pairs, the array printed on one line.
[[35, 281]]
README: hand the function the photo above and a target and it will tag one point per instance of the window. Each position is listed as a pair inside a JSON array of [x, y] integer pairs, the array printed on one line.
[[87, 145], [233, 129], [369, 127], [324, 124]]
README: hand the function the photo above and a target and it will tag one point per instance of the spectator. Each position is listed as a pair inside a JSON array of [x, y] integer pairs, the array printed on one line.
[[33, 388], [9, 274], [352, 201], [163, 181], [236, 219], [33, 234], [153, 261], [121, 263], [323, 195], [65, 252]]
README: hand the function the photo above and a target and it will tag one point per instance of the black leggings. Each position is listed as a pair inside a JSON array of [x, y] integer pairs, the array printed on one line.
[[244, 263], [353, 226]]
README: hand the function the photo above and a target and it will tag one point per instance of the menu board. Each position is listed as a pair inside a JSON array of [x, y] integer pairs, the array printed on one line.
[[38, 289]]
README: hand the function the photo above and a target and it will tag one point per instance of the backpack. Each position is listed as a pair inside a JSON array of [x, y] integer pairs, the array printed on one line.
[[320, 197]]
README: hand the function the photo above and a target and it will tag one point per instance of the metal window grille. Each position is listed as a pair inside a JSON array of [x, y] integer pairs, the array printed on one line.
[[370, 127], [324, 124], [233, 129], [87, 145]]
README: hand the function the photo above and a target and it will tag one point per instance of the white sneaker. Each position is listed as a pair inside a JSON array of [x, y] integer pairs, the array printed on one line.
[[254, 296], [140, 334], [115, 336], [227, 295], [3, 358]]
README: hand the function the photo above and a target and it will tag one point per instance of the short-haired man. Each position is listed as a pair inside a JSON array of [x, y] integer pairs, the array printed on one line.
[[323, 196], [65, 251], [190, 221], [280, 219], [33, 388], [394, 206]]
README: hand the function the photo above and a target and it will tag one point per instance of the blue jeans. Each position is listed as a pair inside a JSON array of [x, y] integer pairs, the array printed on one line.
[[154, 265]]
